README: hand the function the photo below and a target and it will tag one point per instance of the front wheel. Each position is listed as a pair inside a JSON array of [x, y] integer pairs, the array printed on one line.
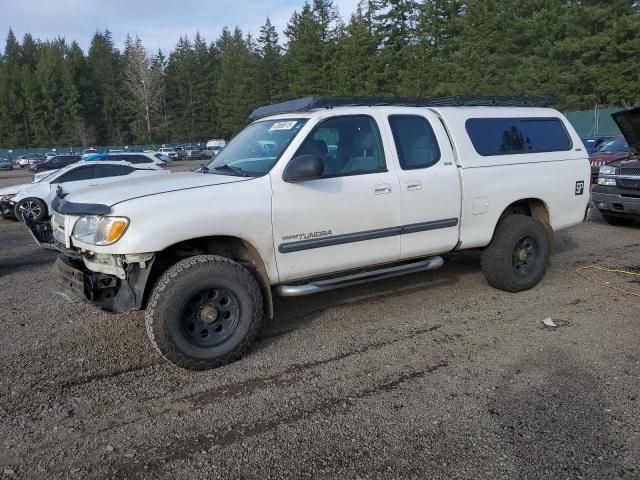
[[517, 257], [204, 312], [32, 208]]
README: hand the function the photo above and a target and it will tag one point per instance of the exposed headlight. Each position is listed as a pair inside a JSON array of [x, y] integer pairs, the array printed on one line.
[[6, 198], [606, 170], [609, 182], [99, 230]]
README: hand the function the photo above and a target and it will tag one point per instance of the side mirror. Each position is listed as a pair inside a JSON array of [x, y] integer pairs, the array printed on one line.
[[303, 168]]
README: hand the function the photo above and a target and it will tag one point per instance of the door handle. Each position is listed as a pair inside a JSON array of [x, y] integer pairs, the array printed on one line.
[[382, 189], [414, 185]]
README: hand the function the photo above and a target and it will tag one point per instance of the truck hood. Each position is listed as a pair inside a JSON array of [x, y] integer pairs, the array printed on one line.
[[629, 123], [117, 192]]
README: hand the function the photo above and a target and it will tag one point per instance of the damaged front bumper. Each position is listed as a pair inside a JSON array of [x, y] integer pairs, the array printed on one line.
[[106, 291], [7, 209], [113, 283]]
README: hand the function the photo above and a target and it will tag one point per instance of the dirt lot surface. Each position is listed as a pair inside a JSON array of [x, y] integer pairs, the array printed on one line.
[[433, 375]]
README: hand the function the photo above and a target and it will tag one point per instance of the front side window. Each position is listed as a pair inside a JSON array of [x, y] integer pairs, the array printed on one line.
[[256, 149], [505, 136], [415, 141], [348, 145]]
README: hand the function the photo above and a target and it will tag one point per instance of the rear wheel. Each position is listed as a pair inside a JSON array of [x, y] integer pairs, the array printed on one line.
[[32, 208], [204, 312], [617, 221], [517, 257]]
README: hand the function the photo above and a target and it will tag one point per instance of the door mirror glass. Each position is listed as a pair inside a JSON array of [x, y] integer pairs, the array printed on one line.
[[304, 168]]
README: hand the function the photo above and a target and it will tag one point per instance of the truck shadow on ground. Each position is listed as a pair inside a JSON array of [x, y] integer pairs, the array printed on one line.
[[294, 313]]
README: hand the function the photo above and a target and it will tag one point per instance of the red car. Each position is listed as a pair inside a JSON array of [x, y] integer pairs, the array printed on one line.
[[610, 151]]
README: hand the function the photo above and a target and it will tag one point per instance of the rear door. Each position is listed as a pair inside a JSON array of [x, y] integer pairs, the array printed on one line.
[[429, 184]]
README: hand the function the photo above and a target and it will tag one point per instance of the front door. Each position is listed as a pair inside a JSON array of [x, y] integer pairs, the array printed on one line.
[[347, 219]]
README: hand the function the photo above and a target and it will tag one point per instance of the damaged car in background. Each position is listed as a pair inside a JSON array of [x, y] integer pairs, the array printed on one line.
[[617, 190], [33, 200]]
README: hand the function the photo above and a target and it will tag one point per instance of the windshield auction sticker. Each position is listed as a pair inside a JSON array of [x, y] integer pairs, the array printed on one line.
[[284, 125]]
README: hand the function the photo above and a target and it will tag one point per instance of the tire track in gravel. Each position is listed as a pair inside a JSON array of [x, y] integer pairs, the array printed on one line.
[[184, 448], [286, 377]]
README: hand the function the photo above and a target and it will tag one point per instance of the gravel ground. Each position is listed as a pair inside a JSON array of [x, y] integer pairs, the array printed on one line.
[[433, 375]]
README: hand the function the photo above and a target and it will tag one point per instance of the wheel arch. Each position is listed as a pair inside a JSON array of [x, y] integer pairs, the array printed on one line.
[[233, 248], [531, 207]]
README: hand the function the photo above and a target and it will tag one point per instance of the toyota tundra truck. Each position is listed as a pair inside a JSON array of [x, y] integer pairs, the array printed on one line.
[[321, 193], [617, 190]]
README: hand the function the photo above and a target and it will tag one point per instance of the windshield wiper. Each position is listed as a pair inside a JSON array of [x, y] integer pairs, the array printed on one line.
[[236, 170]]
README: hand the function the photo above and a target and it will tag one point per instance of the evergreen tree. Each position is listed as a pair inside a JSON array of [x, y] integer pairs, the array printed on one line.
[[236, 86], [270, 69], [13, 119], [356, 57], [103, 98]]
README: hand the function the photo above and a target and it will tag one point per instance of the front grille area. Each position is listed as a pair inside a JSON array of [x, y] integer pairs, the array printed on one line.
[[630, 184], [630, 171]]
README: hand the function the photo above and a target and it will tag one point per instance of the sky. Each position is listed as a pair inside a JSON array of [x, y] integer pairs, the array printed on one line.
[[159, 23]]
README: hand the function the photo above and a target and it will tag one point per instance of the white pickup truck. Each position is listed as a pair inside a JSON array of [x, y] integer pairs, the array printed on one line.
[[321, 193]]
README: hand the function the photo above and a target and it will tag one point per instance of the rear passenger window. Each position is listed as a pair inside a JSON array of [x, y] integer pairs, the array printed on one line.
[[505, 136], [136, 159], [415, 141], [113, 170]]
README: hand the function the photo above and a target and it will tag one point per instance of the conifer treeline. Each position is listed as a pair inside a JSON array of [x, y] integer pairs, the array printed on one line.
[[585, 52]]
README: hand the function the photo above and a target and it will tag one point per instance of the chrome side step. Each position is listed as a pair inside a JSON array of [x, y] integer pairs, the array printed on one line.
[[432, 263]]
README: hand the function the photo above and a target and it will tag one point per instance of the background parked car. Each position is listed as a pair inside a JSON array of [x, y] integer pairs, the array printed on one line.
[[169, 152], [149, 160], [592, 144], [89, 151], [610, 151], [34, 199], [5, 164], [49, 155], [196, 153], [181, 151], [34, 159], [56, 162]]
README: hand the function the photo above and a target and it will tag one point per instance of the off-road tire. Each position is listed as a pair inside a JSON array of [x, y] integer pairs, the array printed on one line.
[[177, 285], [617, 221], [498, 258], [42, 206]]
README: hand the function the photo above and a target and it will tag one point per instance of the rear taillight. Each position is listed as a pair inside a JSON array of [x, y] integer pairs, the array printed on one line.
[[161, 165]]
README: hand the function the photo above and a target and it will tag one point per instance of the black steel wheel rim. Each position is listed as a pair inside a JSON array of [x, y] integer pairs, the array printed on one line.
[[525, 256], [210, 317]]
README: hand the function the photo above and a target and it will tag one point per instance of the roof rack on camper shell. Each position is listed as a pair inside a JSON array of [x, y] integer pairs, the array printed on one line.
[[311, 103]]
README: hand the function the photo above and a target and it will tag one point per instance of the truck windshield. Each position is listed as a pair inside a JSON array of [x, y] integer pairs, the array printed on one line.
[[256, 149], [612, 146]]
